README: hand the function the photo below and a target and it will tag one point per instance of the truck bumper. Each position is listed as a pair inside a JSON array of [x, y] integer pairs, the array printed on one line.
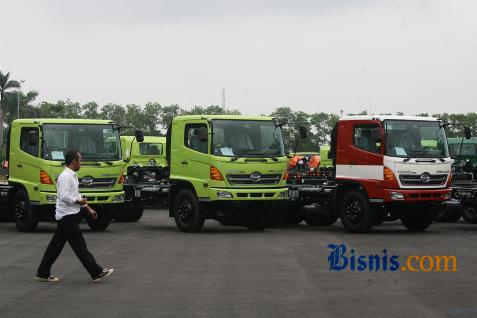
[[113, 197], [224, 194], [415, 195]]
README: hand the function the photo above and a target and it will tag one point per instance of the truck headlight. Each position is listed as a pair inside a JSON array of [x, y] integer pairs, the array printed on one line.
[[397, 196], [118, 198], [51, 197], [283, 195], [224, 195]]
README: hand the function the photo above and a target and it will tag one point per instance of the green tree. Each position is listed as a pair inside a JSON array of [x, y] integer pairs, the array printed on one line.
[[6, 85]]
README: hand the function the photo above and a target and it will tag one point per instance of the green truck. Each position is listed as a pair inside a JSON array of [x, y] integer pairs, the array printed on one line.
[[35, 158], [150, 152], [145, 175], [464, 152], [227, 168]]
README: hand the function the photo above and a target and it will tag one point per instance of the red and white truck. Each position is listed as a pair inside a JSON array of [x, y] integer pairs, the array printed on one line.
[[385, 167]]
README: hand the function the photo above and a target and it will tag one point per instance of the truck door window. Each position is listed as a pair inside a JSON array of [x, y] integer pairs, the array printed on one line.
[[150, 149], [25, 141], [192, 139], [362, 138]]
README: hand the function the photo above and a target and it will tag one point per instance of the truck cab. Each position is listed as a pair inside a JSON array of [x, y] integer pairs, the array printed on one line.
[[227, 168], [35, 156], [386, 167], [150, 152]]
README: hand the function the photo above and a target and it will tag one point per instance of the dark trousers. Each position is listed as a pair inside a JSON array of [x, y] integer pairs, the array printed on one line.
[[68, 230]]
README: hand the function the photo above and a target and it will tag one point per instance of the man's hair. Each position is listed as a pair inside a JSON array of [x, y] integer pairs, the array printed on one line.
[[71, 155]]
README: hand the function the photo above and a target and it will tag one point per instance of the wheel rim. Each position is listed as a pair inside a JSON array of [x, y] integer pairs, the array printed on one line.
[[21, 210], [472, 212], [184, 211], [353, 212]]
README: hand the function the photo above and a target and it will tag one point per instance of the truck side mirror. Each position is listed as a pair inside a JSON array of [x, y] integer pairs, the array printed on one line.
[[376, 134], [203, 133], [467, 133], [33, 137], [139, 134], [303, 132]]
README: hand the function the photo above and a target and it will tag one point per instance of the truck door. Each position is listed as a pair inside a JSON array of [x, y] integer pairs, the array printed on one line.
[[195, 159], [363, 155], [25, 157]]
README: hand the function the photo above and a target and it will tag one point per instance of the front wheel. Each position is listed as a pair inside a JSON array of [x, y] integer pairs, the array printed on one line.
[[470, 215], [24, 216], [356, 214], [130, 212], [105, 216], [188, 215], [417, 219]]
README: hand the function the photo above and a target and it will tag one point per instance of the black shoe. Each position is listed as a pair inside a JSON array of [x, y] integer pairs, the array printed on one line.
[[105, 273], [49, 279]]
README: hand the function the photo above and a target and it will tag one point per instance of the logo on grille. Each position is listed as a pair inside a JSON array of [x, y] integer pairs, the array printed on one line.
[[87, 181], [255, 177], [425, 177]]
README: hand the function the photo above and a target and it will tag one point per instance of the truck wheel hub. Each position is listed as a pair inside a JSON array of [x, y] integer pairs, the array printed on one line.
[[20, 210], [185, 209], [354, 212]]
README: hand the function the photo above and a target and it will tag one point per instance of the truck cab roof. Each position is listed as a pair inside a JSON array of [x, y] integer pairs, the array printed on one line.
[[387, 117], [226, 117], [41, 121]]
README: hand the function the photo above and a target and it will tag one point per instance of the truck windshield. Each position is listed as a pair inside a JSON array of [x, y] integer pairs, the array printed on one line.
[[415, 139], [246, 138], [467, 150], [94, 141]]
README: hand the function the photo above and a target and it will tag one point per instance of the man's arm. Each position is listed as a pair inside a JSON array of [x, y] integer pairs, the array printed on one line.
[[65, 194]]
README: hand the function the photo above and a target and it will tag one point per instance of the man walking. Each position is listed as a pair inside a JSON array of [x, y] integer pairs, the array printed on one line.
[[68, 205]]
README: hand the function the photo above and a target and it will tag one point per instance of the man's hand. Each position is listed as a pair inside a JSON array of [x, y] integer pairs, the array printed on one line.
[[83, 201], [91, 212]]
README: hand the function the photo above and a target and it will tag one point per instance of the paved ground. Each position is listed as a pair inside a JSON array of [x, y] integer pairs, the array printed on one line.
[[227, 271]]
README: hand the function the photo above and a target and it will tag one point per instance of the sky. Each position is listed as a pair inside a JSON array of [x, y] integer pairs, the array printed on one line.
[[408, 56]]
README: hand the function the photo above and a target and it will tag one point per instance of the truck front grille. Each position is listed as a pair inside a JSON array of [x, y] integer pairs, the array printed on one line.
[[418, 180], [247, 179], [98, 183]]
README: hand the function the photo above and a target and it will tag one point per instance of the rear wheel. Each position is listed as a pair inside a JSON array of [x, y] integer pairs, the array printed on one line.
[[417, 218], [24, 215], [105, 216], [319, 216], [130, 212], [449, 213], [470, 215], [256, 221], [188, 215], [355, 212]]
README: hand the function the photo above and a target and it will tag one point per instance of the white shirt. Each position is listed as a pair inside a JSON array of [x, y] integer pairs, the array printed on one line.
[[68, 194]]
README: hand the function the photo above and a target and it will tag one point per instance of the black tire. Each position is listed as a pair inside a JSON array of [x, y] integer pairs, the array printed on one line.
[[417, 219], [357, 216], [130, 212], [24, 216], [449, 213], [188, 215], [256, 221], [323, 217], [380, 217], [105, 216], [470, 215], [258, 217]]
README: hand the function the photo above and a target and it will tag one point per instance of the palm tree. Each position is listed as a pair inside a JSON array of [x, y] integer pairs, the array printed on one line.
[[5, 86]]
